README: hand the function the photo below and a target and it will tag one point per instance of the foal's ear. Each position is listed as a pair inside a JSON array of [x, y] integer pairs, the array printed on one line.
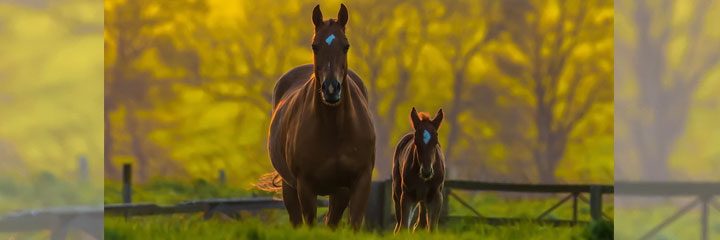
[[438, 119], [414, 119], [317, 17], [342, 15]]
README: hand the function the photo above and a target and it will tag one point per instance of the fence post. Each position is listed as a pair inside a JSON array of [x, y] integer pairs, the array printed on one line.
[[575, 204], [221, 177], [127, 187], [445, 211], [374, 211], [83, 172], [388, 205], [704, 218], [596, 202]]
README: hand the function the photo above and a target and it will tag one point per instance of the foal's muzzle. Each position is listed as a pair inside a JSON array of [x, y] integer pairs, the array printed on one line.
[[426, 173], [331, 91]]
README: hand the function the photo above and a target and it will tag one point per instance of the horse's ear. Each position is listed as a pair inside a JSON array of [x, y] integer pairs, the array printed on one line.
[[342, 15], [414, 119], [438, 119], [317, 16]]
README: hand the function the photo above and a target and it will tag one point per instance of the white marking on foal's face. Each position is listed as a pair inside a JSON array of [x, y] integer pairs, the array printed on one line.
[[330, 39]]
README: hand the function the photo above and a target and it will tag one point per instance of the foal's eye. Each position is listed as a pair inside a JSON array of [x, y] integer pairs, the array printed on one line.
[[315, 48], [347, 47]]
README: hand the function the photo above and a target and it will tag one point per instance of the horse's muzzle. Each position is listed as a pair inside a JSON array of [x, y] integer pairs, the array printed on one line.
[[426, 173], [331, 91]]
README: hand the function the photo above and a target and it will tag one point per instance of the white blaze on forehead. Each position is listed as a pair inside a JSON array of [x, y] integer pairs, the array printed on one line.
[[330, 39]]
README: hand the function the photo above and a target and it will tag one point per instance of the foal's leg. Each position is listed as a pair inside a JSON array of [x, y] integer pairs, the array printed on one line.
[[422, 216], [308, 202], [406, 211], [337, 205], [397, 205], [434, 208], [358, 200], [292, 204]]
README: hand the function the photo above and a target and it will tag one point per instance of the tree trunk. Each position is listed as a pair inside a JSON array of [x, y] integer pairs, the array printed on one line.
[[136, 143], [454, 133], [383, 154], [384, 126], [110, 170]]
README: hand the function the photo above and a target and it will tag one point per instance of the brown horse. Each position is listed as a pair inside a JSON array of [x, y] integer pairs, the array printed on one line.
[[322, 140], [419, 173]]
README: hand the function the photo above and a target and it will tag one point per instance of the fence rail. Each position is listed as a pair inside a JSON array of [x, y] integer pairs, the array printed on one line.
[[228, 207], [379, 213], [59, 221]]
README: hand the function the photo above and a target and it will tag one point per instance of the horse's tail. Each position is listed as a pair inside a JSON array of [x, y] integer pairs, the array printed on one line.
[[271, 182]]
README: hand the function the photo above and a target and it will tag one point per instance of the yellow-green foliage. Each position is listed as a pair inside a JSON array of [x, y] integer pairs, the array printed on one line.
[[51, 88], [189, 82]]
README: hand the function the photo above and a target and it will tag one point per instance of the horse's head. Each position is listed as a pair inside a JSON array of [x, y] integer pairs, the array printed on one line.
[[330, 47], [426, 140]]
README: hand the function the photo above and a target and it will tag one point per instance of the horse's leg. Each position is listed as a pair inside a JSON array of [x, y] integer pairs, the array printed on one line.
[[358, 200], [406, 208], [434, 208], [422, 216], [337, 204], [308, 202], [292, 204]]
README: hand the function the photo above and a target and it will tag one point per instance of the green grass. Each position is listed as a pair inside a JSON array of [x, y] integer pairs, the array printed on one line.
[[45, 190], [273, 224], [637, 219], [42, 191], [192, 227]]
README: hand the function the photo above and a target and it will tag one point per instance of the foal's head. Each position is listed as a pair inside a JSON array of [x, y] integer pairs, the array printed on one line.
[[330, 47], [426, 140]]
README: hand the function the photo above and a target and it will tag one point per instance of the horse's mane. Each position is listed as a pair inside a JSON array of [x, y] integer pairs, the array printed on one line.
[[424, 116], [331, 21]]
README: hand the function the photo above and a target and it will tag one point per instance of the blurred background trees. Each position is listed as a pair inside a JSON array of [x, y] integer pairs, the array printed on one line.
[[527, 85], [50, 87], [50, 103], [667, 99]]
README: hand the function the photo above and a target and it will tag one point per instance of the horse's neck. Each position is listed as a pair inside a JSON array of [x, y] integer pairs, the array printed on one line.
[[411, 156]]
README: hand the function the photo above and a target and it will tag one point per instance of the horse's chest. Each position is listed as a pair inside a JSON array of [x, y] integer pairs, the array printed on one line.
[[331, 152], [418, 191]]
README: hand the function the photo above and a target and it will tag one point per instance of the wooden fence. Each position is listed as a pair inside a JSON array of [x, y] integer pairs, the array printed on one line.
[[381, 215], [704, 192], [59, 221]]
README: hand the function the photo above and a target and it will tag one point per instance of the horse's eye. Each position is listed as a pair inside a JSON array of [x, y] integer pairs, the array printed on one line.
[[315, 48], [347, 47]]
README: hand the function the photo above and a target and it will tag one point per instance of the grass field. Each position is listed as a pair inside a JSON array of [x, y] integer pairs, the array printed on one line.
[[273, 224], [42, 191], [639, 217], [192, 227], [45, 190]]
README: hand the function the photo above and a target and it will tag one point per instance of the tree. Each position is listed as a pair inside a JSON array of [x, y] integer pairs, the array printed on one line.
[[130, 34], [553, 54], [666, 60]]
